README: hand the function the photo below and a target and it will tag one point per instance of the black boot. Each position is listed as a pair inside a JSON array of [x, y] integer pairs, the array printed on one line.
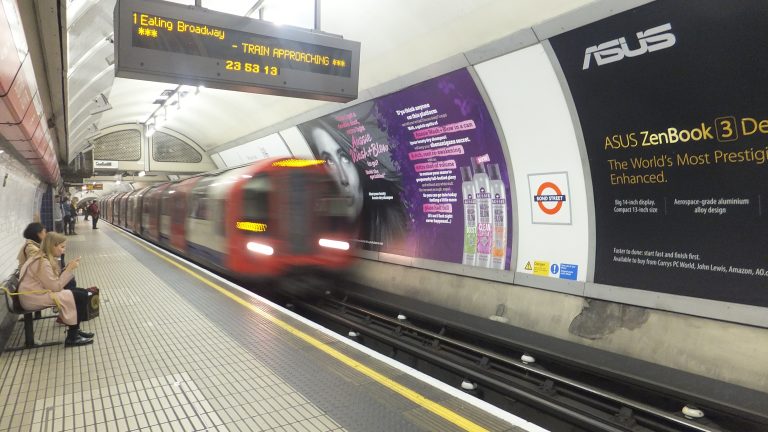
[[74, 338], [85, 334]]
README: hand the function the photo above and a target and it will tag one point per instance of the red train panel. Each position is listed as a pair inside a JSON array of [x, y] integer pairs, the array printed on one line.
[[179, 197], [150, 225]]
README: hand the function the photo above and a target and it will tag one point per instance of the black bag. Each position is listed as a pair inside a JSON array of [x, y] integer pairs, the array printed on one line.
[[93, 303], [12, 284]]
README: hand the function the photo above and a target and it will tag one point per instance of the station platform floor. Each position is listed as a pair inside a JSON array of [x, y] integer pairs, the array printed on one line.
[[180, 349]]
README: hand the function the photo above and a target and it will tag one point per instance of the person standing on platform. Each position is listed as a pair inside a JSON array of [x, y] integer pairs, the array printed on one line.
[[93, 208], [57, 215], [66, 213], [86, 212], [73, 217], [41, 272]]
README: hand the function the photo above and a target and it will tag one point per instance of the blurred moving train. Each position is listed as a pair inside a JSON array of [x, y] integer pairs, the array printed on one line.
[[256, 222]]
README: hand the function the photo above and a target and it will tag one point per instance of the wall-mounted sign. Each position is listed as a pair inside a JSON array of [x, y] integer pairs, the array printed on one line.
[[550, 200], [103, 164], [168, 42]]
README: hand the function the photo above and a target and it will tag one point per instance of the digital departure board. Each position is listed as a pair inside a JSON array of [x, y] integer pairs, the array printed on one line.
[[168, 42]]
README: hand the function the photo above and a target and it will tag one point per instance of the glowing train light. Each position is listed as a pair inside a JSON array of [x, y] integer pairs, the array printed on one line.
[[251, 226], [297, 163]]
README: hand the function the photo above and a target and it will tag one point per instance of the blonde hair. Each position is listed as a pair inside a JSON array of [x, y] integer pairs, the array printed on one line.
[[50, 241]]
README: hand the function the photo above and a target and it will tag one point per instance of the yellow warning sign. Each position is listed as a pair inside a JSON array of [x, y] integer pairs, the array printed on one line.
[[541, 268], [528, 266]]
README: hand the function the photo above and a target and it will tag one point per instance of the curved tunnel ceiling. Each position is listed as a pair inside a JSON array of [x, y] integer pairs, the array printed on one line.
[[397, 38]]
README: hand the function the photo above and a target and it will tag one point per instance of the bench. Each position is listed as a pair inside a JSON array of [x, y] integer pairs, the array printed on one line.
[[10, 288]]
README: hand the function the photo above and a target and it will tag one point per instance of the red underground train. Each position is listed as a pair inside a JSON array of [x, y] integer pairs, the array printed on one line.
[[256, 222]]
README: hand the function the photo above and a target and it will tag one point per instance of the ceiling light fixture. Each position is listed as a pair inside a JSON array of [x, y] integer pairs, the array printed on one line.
[[101, 104], [163, 113]]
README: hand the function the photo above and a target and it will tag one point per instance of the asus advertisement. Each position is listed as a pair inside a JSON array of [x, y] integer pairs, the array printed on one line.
[[671, 100]]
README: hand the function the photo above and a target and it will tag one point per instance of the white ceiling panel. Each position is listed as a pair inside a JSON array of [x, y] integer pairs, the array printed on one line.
[[93, 25], [397, 38], [132, 101], [262, 148]]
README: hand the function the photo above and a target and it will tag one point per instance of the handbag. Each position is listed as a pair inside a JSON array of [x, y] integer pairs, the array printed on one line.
[[93, 303], [12, 284]]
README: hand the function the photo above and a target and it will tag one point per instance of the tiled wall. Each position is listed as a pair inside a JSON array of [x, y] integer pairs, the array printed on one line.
[[20, 197]]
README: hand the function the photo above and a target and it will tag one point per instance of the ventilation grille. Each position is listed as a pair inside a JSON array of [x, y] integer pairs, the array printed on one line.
[[167, 148], [118, 146]]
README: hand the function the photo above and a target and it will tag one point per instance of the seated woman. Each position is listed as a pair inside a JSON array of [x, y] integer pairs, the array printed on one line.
[[42, 272], [34, 233]]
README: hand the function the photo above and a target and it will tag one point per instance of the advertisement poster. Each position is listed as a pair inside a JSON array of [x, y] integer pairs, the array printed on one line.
[[424, 170], [671, 100]]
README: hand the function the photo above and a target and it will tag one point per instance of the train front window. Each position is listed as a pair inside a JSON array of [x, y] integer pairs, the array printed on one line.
[[328, 201], [256, 200], [331, 208]]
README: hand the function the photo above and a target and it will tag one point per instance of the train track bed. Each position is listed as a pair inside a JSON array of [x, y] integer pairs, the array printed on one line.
[[553, 389]]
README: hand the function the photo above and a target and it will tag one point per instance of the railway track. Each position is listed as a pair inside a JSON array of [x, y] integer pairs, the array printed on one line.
[[545, 391]]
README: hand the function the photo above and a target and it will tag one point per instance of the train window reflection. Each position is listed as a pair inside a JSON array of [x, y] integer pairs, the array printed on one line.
[[256, 199]]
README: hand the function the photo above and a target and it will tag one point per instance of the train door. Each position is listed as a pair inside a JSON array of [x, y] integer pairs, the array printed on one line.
[[124, 209], [106, 209], [179, 203], [114, 209], [247, 210], [293, 206], [166, 205], [130, 206], [136, 211], [205, 230], [152, 209]]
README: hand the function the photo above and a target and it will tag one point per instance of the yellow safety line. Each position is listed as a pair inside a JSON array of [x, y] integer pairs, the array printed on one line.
[[407, 393]]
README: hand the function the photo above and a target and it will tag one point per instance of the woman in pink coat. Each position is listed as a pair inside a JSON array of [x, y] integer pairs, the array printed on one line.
[[42, 272]]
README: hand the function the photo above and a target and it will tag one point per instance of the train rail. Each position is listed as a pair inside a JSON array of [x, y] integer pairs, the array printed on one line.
[[514, 380]]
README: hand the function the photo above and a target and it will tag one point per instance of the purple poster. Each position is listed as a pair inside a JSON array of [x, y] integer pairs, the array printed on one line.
[[424, 170]]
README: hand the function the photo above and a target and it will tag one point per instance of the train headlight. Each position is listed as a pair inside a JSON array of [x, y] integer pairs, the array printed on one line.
[[334, 244], [260, 248]]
